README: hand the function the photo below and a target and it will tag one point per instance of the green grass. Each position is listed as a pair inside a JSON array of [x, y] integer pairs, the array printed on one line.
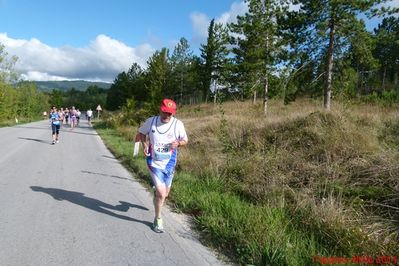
[[12, 122], [250, 233], [282, 190]]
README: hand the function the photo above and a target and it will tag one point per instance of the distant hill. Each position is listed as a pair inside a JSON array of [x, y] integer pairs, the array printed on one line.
[[80, 85]]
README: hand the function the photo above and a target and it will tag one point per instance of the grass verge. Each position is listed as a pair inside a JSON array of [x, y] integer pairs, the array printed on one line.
[[284, 190]]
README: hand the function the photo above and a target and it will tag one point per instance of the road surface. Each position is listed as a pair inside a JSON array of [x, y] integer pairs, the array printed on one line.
[[73, 203]]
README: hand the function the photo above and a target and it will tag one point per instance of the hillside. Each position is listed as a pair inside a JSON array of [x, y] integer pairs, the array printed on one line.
[[80, 85], [294, 188]]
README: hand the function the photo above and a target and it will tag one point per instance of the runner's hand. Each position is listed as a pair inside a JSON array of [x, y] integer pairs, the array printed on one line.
[[175, 144], [145, 149]]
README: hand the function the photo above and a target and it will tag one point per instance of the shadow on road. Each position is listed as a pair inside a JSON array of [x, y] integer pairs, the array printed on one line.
[[64, 128], [76, 131], [113, 176], [37, 140], [30, 127], [92, 204]]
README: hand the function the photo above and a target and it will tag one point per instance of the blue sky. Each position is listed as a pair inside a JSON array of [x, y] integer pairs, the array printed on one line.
[[77, 22], [97, 39]]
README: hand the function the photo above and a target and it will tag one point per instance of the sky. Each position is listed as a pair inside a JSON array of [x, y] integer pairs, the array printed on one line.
[[98, 39]]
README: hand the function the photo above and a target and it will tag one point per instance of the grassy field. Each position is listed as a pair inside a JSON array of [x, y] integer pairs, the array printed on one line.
[[290, 188]]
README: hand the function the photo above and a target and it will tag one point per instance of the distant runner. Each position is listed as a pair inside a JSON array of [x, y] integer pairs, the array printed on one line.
[[72, 116], [55, 118], [89, 114], [165, 133], [78, 113]]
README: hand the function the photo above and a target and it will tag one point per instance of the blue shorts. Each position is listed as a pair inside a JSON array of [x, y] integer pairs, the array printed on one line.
[[160, 176], [55, 128]]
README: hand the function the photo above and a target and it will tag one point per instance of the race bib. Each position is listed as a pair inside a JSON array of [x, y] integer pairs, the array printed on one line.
[[162, 151]]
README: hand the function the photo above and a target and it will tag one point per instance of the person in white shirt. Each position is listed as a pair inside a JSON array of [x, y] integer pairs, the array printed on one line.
[[89, 114], [161, 136]]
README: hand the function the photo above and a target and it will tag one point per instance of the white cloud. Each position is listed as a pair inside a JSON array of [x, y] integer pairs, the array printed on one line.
[[40, 76], [393, 3], [200, 22], [236, 9], [102, 60]]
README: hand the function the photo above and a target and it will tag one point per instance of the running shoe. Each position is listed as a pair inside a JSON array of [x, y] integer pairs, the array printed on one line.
[[158, 225], [57, 141], [53, 142]]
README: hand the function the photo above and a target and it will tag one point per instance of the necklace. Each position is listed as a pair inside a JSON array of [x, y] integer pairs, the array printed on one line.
[[156, 123]]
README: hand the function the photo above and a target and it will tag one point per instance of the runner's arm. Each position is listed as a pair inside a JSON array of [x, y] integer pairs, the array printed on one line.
[[143, 139]]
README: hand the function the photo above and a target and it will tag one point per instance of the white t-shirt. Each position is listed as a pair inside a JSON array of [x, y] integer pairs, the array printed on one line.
[[161, 136]]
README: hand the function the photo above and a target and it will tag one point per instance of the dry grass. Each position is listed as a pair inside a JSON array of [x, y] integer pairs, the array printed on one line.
[[300, 181], [301, 151]]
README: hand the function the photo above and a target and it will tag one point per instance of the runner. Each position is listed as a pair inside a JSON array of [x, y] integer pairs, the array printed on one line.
[[89, 114], [66, 115], [55, 124], [61, 112], [165, 133], [72, 116], [78, 113]]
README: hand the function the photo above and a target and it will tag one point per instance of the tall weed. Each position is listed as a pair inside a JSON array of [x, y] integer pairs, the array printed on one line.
[[298, 183]]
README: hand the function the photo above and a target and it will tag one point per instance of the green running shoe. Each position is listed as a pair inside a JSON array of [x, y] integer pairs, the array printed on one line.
[[158, 225]]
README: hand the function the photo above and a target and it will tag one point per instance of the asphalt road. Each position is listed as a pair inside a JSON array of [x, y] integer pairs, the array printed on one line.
[[73, 203]]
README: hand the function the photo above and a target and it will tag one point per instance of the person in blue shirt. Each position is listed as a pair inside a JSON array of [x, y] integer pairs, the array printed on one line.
[[55, 118]]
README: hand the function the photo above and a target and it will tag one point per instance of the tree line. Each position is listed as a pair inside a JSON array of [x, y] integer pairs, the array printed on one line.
[[23, 101], [278, 48]]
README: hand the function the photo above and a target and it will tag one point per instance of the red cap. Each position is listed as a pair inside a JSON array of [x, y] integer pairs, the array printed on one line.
[[168, 106]]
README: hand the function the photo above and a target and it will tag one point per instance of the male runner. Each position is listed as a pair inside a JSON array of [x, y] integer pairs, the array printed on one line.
[[161, 135]]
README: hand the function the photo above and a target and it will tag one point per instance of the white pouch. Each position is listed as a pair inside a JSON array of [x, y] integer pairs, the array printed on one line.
[[136, 149]]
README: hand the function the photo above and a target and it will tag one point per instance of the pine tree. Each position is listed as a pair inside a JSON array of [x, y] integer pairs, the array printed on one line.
[[325, 27], [214, 56], [257, 45], [387, 50], [118, 92], [156, 80], [180, 61]]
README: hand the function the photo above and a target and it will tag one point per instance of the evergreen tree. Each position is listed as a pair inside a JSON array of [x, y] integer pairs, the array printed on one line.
[[117, 93], [214, 54], [180, 60], [127, 85], [362, 60], [325, 26], [156, 79], [195, 80], [57, 98], [387, 50], [136, 84], [257, 45]]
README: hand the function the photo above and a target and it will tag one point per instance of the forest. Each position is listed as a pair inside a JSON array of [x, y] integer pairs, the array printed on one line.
[[274, 51]]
